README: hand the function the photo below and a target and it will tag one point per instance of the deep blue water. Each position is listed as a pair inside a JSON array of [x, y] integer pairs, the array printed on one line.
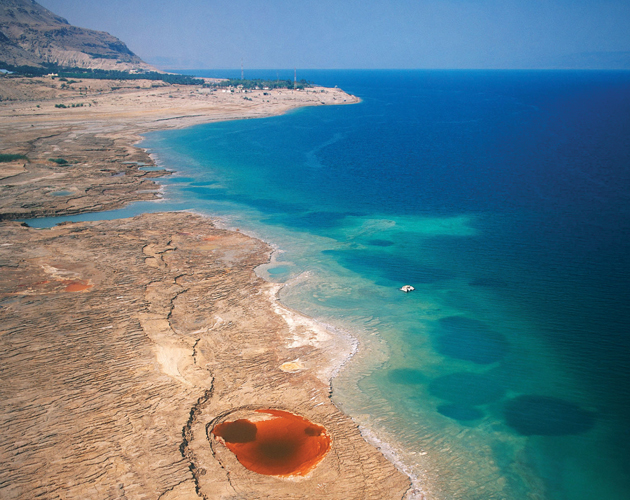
[[502, 196]]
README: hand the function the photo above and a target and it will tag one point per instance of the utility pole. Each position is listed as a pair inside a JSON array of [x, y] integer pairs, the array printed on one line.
[[242, 73], [294, 78]]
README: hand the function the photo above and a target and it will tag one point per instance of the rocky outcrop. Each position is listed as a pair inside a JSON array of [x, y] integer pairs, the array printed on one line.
[[31, 35]]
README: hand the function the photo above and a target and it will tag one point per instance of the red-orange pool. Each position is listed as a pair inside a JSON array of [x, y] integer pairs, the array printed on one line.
[[76, 285], [283, 445]]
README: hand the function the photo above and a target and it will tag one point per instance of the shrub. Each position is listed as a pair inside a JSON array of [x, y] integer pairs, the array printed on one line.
[[9, 157], [58, 161]]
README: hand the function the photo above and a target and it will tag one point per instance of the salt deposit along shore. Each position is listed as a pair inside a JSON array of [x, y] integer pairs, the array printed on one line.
[[125, 343]]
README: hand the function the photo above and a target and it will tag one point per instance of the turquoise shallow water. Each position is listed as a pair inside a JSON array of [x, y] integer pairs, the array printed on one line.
[[502, 198]]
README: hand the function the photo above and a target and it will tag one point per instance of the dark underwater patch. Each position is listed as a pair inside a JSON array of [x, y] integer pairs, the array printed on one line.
[[316, 219], [380, 243], [470, 340], [532, 415], [467, 389], [316, 222], [393, 269], [265, 205]]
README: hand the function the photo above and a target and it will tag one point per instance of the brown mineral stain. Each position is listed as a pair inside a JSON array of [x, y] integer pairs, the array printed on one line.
[[76, 285], [284, 445], [33, 285]]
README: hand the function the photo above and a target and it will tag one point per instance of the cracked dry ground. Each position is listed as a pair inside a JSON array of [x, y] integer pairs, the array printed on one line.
[[122, 342], [101, 172]]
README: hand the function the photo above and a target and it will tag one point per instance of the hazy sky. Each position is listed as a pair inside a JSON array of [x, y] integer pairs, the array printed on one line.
[[334, 34]]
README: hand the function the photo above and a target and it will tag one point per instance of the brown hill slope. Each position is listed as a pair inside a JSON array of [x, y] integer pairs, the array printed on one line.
[[31, 35]]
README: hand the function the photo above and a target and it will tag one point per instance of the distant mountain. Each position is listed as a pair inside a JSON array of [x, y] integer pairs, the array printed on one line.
[[31, 35]]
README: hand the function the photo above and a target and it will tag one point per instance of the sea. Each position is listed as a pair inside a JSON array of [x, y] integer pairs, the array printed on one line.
[[503, 198]]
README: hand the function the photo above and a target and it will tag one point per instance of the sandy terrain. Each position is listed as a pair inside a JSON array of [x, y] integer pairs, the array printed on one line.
[[124, 343]]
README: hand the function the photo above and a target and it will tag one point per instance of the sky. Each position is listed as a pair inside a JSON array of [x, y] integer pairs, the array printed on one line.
[[363, 34]]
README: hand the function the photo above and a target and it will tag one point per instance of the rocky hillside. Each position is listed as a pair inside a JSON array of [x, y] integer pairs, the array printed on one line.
[[31, 35]]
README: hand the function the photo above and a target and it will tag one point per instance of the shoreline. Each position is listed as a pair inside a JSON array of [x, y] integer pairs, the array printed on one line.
[[98, 130], [388, 448], [205, 355]]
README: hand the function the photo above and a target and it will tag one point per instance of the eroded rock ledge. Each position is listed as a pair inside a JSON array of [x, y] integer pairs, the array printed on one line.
[[123, 341]]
